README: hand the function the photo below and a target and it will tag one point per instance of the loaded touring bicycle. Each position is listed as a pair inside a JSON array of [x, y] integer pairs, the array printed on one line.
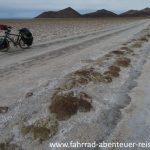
[[23, 39]]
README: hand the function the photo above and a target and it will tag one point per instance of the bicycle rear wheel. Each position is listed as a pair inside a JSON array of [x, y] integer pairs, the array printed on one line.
[[22, 44]]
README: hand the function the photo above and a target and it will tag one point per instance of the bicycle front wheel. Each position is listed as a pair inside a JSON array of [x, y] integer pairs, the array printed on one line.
[[22, 44], [4, 46]]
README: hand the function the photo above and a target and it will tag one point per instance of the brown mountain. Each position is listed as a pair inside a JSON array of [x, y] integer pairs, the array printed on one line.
[[137, 13], [129, 13], [145, 11], [64, 13], [101, 13]]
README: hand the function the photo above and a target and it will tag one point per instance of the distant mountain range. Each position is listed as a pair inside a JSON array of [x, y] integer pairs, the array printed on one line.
[[71, 13], [137, 13]]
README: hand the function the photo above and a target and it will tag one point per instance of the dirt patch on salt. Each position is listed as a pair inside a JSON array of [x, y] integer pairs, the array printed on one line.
[[113, 71], [8, 146], [41, 130], [123, 62], [66, 105]]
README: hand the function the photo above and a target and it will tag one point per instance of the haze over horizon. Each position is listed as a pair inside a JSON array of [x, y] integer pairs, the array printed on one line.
[[29, 9]]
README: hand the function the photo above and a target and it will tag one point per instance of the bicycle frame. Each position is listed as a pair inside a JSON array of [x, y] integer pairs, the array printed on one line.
[[10, 39]]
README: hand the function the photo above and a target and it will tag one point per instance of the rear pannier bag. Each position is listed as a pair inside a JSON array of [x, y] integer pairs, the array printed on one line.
[[26, 36]]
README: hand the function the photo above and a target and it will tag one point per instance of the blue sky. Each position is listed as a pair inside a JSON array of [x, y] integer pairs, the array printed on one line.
[[31, 8]]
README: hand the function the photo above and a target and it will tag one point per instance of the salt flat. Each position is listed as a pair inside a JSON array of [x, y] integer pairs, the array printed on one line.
[[32, 80]]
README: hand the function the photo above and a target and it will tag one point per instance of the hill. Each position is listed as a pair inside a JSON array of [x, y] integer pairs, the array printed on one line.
[[137, 13], [64, 13], [101, 13]]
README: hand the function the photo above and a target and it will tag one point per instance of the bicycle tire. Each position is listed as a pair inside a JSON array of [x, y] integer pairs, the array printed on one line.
[[22, 44], [6, 46]]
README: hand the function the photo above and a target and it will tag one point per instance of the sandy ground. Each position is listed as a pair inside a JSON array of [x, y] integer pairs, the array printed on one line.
[[33, 80]]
